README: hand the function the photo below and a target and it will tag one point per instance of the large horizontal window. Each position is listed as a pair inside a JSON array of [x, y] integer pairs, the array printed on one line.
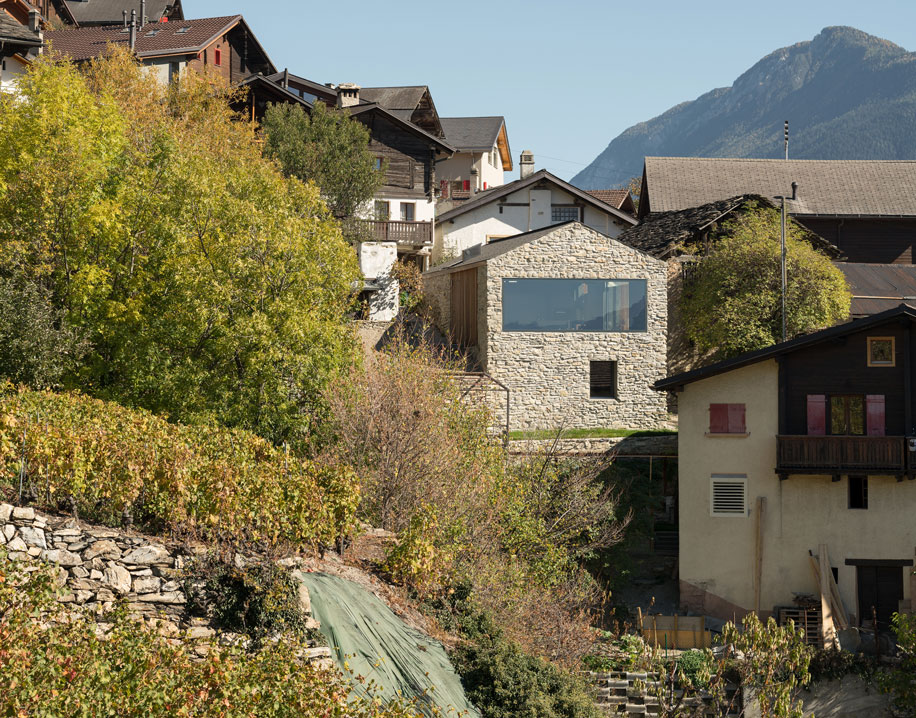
[[574, 305]]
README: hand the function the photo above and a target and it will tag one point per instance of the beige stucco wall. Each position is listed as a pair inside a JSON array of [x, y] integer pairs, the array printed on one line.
[[717, 553]]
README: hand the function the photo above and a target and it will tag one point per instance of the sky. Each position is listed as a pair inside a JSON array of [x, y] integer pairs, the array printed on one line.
[[567, 76]]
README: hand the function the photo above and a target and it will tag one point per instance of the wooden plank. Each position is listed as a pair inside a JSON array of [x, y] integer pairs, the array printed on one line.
[[758, 553], [828, 630]]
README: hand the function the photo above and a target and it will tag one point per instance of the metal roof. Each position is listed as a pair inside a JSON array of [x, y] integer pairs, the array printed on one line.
[[878, 287], [825, 187], [472, 134]]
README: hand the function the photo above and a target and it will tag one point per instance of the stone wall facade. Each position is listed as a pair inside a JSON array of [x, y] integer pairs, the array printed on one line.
[[97, 567], [548, 372]]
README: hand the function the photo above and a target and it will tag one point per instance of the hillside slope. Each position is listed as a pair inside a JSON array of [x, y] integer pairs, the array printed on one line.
[[846, 94]]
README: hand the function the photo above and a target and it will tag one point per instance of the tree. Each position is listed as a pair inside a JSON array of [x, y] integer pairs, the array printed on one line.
[[327, 147], [208, 286], [731, 303]]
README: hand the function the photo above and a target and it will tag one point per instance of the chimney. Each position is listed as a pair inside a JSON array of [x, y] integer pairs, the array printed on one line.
[[142, 13], [347, 94], [124, 15], [34, 20], [526, 164], [133, 29]]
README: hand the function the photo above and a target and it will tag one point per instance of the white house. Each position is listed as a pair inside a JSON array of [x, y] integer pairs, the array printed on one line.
[[537, 200], [482, 157], [20, 41]]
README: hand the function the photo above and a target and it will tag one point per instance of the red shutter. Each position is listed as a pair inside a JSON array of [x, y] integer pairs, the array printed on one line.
[[718, 418], [736, 423], [874, 404], [467, 185], [817, 414]]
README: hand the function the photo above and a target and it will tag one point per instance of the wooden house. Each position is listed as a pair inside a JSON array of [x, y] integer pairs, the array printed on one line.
[[866, 208], [805, 446], [223, 46], [93, 13]]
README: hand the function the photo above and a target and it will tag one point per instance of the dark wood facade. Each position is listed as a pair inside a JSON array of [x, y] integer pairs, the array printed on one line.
[[410, 158], [819, 381], [873, 240]]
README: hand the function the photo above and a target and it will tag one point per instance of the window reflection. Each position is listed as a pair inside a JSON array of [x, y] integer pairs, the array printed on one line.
[[574, 305]]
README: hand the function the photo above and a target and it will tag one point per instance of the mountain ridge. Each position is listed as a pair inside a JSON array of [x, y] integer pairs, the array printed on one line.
[[844, 93]]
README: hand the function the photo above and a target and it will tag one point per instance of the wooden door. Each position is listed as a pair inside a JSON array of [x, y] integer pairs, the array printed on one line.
[[880, 587], [464, 307]]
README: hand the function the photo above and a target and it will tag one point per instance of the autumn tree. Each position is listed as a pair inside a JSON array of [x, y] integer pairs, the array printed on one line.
[[732, 302], [208, 286], [327, 147]]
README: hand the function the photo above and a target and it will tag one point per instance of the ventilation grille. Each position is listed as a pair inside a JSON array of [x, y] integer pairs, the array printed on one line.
[[729, 496]]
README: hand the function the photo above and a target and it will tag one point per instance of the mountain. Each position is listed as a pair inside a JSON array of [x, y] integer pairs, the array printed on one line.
[[846, 94]]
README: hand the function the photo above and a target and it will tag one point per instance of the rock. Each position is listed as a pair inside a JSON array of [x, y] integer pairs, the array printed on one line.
[[8, 531], [23, 513], [82, 596], [312, 623], [103, 533], [170, 586], [173, 598], [82, 584], [6, 510], [141, 572], [80, 572], [146, 584], [62, 557], [33, 537], [17, 544], [97, 564], [34, 551], [103, 594], [104, 549], [146, 555], [2, 539], [305, 601], [95, 574], [17, 555], [166, 628], [67, 533], [196, 632], [118, 579], [66, 598], [60, 578], [77, 547]]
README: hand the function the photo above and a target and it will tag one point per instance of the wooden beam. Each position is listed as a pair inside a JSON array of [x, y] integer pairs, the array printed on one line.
[[828, 630], [758, 553]]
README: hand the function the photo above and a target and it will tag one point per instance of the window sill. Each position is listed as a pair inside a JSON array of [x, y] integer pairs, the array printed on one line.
[[728, 435]]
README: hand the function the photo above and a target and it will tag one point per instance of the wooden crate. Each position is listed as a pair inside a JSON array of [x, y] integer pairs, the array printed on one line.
[[808, 619], [676, 632]]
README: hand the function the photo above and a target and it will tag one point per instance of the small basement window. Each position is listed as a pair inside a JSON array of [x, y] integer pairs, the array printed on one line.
[[858, 492], [728, 495], [727, 419], [881, 351], [603, 379]]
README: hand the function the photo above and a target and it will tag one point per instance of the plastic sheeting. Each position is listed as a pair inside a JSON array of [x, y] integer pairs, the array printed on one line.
[[374, 643]]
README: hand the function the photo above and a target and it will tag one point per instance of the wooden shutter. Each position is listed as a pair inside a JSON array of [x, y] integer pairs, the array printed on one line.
[[874, 414], [736, 423], [718, 418], [817, 414], [467, 185]]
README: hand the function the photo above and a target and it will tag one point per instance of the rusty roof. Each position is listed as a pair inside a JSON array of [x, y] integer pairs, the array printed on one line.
[[878, 287]]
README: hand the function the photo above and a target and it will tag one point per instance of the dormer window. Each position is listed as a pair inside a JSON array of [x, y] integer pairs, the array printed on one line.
[[182, 30]]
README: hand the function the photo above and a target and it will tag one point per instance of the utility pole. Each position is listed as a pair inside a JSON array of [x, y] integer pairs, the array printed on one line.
[[785, 282]]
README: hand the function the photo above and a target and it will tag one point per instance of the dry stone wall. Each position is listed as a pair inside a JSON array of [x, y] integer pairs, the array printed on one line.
[[98, 567]]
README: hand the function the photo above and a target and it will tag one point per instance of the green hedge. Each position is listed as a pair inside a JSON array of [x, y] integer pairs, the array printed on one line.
[[210, 482]]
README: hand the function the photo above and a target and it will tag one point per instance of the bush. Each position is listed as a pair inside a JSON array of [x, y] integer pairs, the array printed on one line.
[[694, 666], [65, 669], [256, 597], [229, 485], [900, 680]]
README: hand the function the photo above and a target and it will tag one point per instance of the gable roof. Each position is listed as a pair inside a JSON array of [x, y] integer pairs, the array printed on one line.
[[825, 187], [395, 98], [662, 234], [97, 12], [479, 134], [484, 252], [857, 325], [484, 198], [15, 33], [361, 109], [155, 39], [314, 88], [619, 198], [878, 287]]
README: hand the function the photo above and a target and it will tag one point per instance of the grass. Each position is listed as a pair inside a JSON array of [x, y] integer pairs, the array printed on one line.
[[584, 434]]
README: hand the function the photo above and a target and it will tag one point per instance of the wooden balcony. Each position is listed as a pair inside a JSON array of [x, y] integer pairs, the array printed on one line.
[[414, 234], [835, 455]]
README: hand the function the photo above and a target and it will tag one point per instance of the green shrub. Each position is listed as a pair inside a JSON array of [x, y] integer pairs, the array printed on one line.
[[828, 664], [695, 667], [66, 670], [222, 484], [258, 598]]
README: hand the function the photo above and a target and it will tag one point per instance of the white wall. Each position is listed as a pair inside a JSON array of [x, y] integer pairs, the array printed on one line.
[[9, 77], [162, 69], [517, 215], [424, 210], [459, 166]]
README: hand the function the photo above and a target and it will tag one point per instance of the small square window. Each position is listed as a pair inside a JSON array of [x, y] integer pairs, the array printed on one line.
[[881, 351], [727, 419], [564, 214], [858, 492], [603, 379]]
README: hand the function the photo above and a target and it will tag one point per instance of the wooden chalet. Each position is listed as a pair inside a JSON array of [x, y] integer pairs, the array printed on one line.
[[867, 208], [94, 13]]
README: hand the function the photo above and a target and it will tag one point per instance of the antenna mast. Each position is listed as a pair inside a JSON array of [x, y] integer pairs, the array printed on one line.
[[786, 133]]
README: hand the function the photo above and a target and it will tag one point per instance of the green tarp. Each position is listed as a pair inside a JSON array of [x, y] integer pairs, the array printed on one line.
[[373, 642]]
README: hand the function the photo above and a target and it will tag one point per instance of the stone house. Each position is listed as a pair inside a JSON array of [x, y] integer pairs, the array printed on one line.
[[805, 446], [573, 322]]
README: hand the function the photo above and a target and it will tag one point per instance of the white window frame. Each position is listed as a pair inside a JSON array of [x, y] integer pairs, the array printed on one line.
[[732, 479]]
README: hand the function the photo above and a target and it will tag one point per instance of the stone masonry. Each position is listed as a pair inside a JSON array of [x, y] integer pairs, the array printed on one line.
[[548, 372], [96, 567]]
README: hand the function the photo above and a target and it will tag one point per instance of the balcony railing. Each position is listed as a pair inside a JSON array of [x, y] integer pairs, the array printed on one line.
[[842, 454], [416, 234]]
